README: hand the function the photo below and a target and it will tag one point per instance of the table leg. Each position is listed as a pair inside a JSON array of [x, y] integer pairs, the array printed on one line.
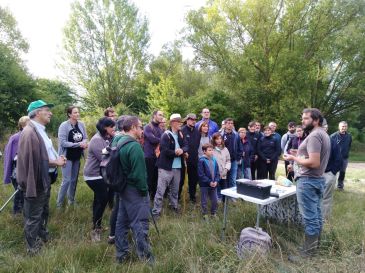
[[224, 218], [258, 216]]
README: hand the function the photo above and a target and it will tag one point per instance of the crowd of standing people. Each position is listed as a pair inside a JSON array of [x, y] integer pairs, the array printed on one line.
[[156, 159]]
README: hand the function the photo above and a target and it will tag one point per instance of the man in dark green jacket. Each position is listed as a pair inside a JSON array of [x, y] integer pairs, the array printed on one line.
[[133, 210]]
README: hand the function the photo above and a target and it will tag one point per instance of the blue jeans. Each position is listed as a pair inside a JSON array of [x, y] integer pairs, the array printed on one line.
[[309, 196], [232, 174], [70, 174]]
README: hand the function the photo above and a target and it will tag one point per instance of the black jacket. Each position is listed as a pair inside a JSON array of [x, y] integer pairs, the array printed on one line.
[[192, 137], [167, 150], [253, 138], [344, 141], [268, 148]]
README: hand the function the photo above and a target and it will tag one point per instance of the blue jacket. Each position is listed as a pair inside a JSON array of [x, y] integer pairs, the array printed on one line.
[[205, 176], [213, 127], [344, 141], [253, 138], [269, 148], [335, 161], [248, 150], [152, 136], [167, 150]]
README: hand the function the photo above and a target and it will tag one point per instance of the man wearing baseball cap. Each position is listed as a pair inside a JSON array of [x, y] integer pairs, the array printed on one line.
[[36, 165], [192, 136], [169, 163]]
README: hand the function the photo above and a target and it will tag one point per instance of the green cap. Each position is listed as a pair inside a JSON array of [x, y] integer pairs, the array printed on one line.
[[38, 104]]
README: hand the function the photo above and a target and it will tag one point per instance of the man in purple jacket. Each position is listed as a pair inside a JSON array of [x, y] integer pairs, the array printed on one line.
[[213, 127], [11, 150], [152, 135]]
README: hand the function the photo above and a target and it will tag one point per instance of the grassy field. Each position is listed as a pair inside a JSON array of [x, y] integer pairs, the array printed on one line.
[[188, 244], [357, 153]]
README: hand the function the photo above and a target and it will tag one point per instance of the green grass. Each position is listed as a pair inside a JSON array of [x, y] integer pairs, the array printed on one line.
[[187, 244], [357, 153]]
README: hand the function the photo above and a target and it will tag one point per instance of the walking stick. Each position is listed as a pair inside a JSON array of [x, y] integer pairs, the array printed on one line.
[[185, 186], [11, 197], [154, 222]]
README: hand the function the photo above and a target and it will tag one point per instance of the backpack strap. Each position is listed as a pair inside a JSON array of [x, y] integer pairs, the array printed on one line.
[[120, 145]]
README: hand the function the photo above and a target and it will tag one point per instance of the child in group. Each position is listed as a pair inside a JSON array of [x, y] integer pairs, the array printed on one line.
[[208, 180]]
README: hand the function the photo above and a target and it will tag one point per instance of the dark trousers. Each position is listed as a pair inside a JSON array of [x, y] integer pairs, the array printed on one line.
[[133, 214], [211, 193], [114, 215], [221, 186], [100, 190], [18, 198], [267, 170], [254, 168], [289, 175], [193, 179], [36, 212], [152, 176]]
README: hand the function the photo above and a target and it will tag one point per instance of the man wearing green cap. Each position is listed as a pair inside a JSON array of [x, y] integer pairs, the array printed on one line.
[[37, 160]]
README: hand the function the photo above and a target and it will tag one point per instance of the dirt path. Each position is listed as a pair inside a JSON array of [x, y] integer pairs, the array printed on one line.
[[356, 165]]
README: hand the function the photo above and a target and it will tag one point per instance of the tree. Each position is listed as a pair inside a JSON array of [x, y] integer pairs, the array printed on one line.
[[16, 85], [278, 57], [105, 48], [58, 93]]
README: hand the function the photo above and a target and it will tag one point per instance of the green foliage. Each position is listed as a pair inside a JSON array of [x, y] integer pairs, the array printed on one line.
[[16, 85], [187, 243], [58, 93], [278, 57], [105, 45]]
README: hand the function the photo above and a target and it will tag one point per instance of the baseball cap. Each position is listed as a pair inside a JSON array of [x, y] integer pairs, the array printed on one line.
[[190, 116], [38, 104]]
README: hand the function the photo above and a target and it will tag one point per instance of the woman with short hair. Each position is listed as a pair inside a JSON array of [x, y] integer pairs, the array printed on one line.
[[92, 177]]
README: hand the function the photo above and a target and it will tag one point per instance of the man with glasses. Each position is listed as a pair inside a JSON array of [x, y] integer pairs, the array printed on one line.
[[172, 146], [134, 205], [213, 126], [37, 160]]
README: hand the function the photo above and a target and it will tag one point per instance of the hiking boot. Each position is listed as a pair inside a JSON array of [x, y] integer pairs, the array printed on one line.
[[95, 235], [111, 240], [308, 250]]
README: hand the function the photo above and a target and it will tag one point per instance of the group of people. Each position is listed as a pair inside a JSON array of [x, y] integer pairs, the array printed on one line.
[[155, 160]]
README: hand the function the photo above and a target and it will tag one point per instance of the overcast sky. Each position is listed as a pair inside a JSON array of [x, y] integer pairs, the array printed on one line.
[[41, 23]]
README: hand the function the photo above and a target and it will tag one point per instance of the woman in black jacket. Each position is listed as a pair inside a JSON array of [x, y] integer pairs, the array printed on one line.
[[269, 151]]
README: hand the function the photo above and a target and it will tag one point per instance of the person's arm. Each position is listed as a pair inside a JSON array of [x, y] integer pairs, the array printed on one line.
[[203, 178], [63, 137], [185, 144], [165, 146], [313, 161], [148, 134], [259, 150], [8, 161], [228, 161], [216, 171]]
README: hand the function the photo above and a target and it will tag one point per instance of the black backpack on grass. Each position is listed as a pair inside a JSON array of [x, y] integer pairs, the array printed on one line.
[[111, 168]]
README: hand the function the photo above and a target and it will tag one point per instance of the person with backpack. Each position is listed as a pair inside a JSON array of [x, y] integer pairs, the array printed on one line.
[[152, 136], [209, 177], [134, 205], [11, 150], [92, 177], [72, 140], [173, 147]]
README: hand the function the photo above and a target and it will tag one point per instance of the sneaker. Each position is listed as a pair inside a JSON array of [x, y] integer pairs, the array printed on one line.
[[95, 235], [111, 240], [205, 217]]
